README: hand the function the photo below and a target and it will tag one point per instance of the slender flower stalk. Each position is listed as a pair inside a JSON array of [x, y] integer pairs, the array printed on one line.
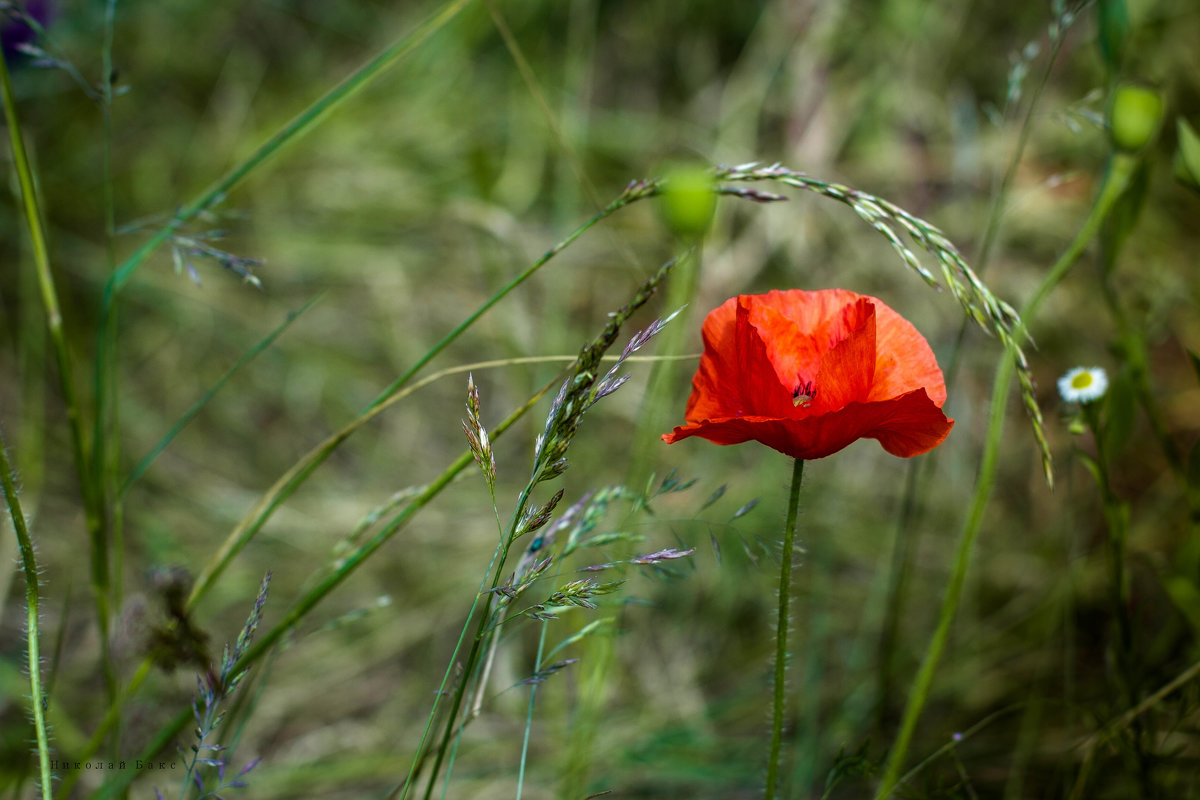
[[29, 564], [783, 621], [808, 374], [1086, 386]]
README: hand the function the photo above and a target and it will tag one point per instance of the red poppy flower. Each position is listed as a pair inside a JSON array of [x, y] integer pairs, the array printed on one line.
[[807, 373]]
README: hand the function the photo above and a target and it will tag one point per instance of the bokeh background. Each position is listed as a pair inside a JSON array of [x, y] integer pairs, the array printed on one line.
[[416, 201]]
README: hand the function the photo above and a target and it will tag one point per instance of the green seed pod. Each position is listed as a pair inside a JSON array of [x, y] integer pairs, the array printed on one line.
[[1187, 158], [689, 200], [1134, 116]]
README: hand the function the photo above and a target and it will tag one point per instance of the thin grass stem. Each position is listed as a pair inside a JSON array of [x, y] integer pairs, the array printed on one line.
[[991, 227], [419, 754], [782, 622], [481, 632], [49, 295], [919, 469], [1116, 180], [299, 472], [106, 356], [106, 450], [29, 564], [636, 190], [553, 443], [307, 119], [199, 405], [1114, 728], [537, 667], [311, 598], [144, 668]]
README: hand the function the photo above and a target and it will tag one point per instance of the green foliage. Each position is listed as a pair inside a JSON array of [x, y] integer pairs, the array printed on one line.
[[408, 163], [1187, 158]]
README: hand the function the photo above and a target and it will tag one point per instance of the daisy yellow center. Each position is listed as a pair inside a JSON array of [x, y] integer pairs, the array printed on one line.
[[1082, 381]]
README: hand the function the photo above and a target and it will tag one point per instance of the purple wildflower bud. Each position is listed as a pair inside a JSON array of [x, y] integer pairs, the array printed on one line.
[[16, 32]]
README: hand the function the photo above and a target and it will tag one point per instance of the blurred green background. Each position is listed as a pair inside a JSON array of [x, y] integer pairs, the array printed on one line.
[[417, 200]]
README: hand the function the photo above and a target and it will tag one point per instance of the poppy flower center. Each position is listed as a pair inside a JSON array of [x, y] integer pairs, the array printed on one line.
[[804, 393]]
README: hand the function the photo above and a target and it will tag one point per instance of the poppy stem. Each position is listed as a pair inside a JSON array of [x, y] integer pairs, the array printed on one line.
[[783, 622]]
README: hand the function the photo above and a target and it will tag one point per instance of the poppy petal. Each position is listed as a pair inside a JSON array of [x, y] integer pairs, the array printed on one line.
[[905, 426], [904, 360], [872, 373], [735, 377], [848, 368]]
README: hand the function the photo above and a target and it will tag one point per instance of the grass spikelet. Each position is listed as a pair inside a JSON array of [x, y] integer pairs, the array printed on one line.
[[576, 593], [977, 301], [477, 436], [534, 518], [212, 689], [543, 674]]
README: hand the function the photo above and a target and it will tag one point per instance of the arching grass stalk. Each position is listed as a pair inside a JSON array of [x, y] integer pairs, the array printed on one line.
[[199, 405], [920, 469], [307, 119], [347, 565], [782, 622], [217, 192], [143, 670], [106, 410], [1115, 181], [299, 472], [93, 514], [974, 297], [284, 626], [29, 564]]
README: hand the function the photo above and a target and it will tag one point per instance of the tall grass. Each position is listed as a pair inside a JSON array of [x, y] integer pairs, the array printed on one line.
[[467, 602]]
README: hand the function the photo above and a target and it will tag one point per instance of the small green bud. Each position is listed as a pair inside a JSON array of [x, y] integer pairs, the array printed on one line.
[[1187, 158], [689, 200], [1134, 116]]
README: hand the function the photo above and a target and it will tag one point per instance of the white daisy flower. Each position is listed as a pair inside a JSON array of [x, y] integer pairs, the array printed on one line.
[[1083, 385]]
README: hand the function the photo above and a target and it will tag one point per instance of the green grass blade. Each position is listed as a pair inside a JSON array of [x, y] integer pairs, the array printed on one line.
[[41, 257], [636, 190], [306, 603], [299, 125], [199, 405], [291, 480], [299, 472], [1115, 182]]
